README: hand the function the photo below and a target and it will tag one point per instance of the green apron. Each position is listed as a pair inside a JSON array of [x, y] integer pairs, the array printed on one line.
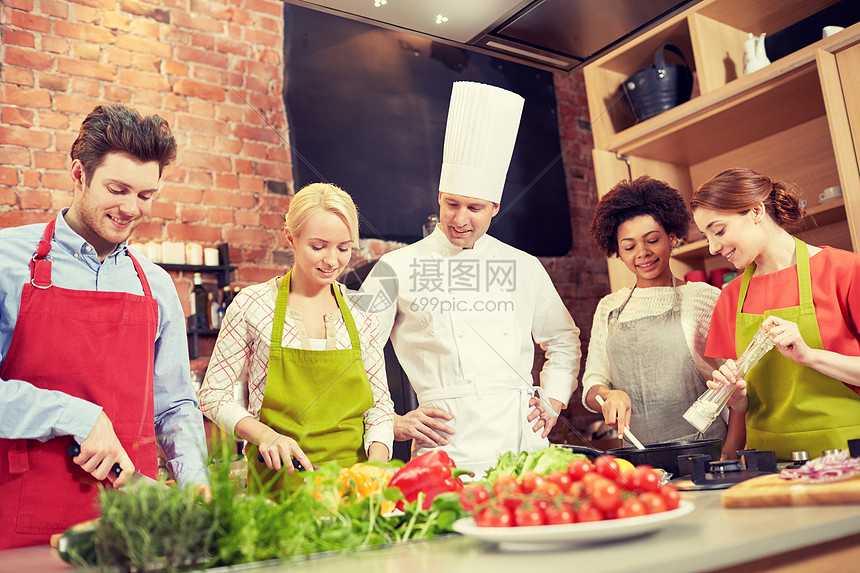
[[792, 407], [316, 397]]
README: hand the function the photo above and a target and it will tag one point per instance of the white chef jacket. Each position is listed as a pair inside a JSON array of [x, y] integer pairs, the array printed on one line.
[[463, 323]]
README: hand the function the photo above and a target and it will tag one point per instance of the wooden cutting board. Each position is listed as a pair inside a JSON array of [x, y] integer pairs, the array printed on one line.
[[771, 491]]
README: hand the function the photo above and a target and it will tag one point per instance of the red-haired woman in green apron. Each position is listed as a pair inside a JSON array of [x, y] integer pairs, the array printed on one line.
[[297, 371], [803, 395]]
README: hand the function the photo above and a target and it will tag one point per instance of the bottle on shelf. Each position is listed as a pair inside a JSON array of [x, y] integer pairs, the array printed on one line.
[[226, 299], [212, 309], [199, 306]]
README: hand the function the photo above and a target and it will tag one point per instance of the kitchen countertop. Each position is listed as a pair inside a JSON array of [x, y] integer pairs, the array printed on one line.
[[707, 539]]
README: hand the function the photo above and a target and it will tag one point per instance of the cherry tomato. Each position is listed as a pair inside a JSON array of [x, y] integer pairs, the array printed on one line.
[[473, 495], [646, 479], [671, 496], [628, 480], [530, 481], [547, 488], [495, 516], [562, 479], [631, 507], [589, 479], [578, 468], [506, 484], [528, 514], [607, 467], [653, 501], [588, 512], [559, 514], [577, 490], [606, 495]]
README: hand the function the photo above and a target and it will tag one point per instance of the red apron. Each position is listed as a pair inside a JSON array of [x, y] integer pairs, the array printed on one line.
[[98, 346]]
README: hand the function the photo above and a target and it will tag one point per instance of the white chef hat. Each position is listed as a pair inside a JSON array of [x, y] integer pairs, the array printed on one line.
[[479, 140]]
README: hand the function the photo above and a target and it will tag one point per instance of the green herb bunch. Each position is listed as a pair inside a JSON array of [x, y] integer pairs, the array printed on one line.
[[145, 528]]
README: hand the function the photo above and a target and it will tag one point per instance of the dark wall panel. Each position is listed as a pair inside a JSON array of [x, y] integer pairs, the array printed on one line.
[[367, 109]]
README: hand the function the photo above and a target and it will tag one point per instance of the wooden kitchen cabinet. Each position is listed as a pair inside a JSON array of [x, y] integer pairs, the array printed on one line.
[[790, 120]]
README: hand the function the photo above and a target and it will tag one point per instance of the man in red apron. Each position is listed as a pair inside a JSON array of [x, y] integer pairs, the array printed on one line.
[[92, 341]]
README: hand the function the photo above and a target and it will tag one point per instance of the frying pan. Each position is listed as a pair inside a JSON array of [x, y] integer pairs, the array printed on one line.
[[662, 455]]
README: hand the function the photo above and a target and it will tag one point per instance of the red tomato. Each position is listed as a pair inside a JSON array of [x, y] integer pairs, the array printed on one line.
[[530, 481], [578, 468], [577, 490], [547, 489], [631, 507], [562, 479], [473, 495], [504, 485], [588, 512], [671, 496], [628, 479], [560, 514], [646, 479], [606, 495], [607, 467], [653, 501], [528, 514], [589, 479], [495, 516]]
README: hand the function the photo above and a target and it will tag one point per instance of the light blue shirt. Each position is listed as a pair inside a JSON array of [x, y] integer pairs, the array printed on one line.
[[30, 412]]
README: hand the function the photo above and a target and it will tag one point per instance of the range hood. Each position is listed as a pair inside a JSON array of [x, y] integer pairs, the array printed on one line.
[[547, 34]]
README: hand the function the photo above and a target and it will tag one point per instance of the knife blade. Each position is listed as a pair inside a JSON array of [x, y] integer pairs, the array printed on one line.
[[136, 478]]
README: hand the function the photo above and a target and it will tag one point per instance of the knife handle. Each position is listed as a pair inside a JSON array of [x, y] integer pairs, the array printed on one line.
[[296, 463], [75, 449]]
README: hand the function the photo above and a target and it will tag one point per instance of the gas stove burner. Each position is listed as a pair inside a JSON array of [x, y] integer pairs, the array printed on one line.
[[704, 474], [724, 467]]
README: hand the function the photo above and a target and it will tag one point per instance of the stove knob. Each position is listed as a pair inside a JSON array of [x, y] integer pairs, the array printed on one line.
[[830, 452], [801, 456]]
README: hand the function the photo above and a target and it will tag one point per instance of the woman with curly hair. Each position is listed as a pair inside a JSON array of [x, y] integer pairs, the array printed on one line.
[[804, 395], [646, 355]]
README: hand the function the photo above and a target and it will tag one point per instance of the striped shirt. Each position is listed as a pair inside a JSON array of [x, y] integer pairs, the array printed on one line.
[[235, 380]]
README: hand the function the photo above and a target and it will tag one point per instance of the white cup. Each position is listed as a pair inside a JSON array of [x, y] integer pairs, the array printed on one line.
[[139, 247], [830, 193], [802, 203], [153, 251], [828, 31], [193, 254], [173, 253], [210, 257]]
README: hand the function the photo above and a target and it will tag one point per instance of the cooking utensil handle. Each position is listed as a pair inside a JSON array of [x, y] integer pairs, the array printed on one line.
[[74, 449], [627, 433]]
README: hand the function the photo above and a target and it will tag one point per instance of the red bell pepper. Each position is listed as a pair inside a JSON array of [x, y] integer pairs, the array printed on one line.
[[431, 473]]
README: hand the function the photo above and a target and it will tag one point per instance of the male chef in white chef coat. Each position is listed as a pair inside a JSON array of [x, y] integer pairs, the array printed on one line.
[[465, 308]]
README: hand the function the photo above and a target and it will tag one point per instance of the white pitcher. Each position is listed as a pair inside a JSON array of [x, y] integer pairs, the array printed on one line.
[[755, 57]]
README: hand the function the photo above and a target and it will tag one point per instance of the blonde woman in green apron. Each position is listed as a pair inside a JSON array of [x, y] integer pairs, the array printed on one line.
[[298, 371], [646, 353], [803, 395]]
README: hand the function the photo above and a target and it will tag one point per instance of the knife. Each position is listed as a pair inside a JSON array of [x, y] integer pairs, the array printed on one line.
[[137, 478]]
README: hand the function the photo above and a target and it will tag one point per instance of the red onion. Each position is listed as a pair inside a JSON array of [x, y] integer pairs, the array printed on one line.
[[831, 467]]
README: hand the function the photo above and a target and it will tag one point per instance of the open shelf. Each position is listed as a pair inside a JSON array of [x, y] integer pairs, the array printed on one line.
[[788, 120]]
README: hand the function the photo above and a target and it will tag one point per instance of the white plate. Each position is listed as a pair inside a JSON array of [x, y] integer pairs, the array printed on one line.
[[542, 537]]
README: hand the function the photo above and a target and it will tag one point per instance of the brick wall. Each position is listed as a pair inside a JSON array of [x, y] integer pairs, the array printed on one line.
[[214, 71]]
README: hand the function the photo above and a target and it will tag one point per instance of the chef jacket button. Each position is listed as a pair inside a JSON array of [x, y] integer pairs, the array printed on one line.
[[505, 332], [88, 248], [468, 380], [76, 255]]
